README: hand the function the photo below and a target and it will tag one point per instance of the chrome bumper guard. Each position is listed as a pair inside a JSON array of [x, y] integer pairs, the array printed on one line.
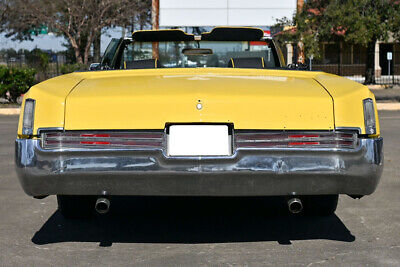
[[248, 172]]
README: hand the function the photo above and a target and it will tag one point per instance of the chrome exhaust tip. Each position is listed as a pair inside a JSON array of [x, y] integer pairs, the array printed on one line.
[[102, 205], [295, 205]]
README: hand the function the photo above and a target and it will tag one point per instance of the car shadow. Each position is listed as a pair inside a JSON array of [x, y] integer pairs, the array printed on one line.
[[192, 220]]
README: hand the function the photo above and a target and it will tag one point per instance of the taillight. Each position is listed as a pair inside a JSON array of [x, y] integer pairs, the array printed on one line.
[[293, 140], [155, 140], [369, 116], [28, 117], [103, 140]]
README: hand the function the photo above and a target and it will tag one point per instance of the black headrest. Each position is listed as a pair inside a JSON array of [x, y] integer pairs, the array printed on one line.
[[233, 34], [169, 35], [246, 62], [143, 64]]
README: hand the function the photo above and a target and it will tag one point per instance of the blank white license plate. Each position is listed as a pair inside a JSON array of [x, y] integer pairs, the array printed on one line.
[[199, 140]]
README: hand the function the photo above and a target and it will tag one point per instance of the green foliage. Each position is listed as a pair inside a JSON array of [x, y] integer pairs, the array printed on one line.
[[351, 21], [15, 81], [68, 68], [38, 59], [361, 22], [394, 21]]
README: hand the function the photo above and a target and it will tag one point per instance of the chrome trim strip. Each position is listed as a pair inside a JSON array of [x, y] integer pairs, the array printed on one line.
[[355, 129], [49, 129], [309, 149]]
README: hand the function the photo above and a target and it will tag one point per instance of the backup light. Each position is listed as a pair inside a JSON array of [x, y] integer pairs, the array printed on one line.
[[29, 114], [369, 116]]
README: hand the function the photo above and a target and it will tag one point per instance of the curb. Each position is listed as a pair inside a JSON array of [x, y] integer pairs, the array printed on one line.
[[380, 106], [10, 111], [388, 106]]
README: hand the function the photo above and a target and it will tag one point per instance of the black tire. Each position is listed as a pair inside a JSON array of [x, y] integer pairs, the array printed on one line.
[[75, 207], [323, 205]]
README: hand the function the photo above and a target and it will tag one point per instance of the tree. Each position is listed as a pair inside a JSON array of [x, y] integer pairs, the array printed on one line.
[[361, 22], [79, 21], [39, 60], [395, 20]]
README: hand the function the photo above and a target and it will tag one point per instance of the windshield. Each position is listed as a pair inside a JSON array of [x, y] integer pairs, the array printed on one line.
[[198, 54]]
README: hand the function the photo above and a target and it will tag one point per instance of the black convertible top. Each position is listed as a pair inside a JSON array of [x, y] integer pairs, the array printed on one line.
[[216, 34]]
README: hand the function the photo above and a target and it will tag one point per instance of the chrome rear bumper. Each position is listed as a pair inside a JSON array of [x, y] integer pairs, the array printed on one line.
[[249, 172]]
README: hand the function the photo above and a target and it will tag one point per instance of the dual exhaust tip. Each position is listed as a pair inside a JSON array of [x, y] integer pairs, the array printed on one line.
[[295, 205], [102, 205]]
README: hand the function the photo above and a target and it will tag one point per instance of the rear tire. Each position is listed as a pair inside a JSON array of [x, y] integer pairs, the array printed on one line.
[[75, 207], [323, 205]]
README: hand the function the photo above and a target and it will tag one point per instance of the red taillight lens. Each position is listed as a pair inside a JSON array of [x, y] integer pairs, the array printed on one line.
[[94, 143], [303, 143]]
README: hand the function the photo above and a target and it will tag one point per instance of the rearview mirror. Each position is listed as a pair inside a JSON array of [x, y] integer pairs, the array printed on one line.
[[95, 66], [196, 51], [298, 66]]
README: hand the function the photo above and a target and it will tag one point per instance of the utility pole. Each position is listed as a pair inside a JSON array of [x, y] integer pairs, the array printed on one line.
[[155, 17], [301, 58], [300, 4], [155, 14]]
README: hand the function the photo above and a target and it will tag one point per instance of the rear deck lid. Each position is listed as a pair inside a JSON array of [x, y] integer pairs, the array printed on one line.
[[151, 99]]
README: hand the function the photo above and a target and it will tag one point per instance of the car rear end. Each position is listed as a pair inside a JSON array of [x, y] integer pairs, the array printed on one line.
[[248, 163]]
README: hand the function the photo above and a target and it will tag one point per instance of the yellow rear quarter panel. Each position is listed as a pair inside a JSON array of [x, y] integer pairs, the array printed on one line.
[[348, 99], [50, 101]]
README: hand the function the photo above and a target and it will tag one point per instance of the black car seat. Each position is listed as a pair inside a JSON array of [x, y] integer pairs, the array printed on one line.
[[246, 62], [143, 64]]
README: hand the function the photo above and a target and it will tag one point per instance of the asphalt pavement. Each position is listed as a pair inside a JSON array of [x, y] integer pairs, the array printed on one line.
[[192, 231]]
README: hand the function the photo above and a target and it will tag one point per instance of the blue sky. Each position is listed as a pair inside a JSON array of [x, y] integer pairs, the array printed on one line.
[[52, 42]]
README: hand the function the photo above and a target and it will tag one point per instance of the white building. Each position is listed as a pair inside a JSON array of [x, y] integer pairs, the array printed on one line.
[[197, 13]]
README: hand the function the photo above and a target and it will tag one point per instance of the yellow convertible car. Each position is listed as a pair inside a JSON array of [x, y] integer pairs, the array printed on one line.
[[168, 113]]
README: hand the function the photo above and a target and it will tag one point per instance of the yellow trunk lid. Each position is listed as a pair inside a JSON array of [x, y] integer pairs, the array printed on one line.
[[149, 99]]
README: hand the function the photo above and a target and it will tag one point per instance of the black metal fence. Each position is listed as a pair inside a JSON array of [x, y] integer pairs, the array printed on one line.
[[55, 66], [348, 65], [356, 72], [350, 62]]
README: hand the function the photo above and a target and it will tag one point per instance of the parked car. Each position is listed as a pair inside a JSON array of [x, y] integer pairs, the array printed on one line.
[[217, 114]]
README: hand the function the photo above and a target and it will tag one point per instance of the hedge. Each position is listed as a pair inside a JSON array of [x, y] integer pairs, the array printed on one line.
[[15, 81]]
